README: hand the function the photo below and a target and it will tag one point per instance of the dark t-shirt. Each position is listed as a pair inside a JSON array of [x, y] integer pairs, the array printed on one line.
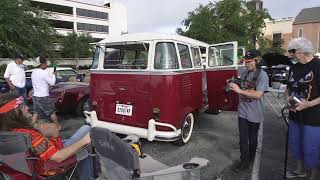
[[304, 83]]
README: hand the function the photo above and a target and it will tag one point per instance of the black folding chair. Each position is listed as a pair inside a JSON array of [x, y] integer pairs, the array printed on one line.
[[119, 161]]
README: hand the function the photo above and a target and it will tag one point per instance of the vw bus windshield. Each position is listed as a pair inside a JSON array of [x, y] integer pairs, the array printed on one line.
[[126, 56]]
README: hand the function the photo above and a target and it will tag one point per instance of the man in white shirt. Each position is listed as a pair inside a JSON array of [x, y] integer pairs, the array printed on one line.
[[41, 82], [15, 76]]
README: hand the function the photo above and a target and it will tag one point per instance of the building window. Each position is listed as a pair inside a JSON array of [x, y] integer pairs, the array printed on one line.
[[61, 24], [52, 7], [300, 34], [92, 27], [93, 14], [277, 40]]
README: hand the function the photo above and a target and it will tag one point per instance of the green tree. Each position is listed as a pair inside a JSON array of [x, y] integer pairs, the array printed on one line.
[[24, 29], [226, 20], [267, 45], [77, 45]]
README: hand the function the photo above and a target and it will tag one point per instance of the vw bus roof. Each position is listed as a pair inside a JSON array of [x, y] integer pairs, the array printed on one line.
[[141, 37]]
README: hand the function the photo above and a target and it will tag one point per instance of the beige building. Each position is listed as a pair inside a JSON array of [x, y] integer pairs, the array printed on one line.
[[279, 29], [307, 24]]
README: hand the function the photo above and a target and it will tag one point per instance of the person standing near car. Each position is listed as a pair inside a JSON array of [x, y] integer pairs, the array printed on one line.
[[15, 76], [41, 82], [304, 123], [251, 107]]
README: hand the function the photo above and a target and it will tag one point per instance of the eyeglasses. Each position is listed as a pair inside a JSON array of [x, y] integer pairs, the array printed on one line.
[[292, 51]]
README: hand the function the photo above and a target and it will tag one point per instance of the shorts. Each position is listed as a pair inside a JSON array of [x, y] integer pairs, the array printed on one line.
[[304, 143], [43, 106]]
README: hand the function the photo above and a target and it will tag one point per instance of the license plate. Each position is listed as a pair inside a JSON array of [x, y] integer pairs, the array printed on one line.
[[124, 109]]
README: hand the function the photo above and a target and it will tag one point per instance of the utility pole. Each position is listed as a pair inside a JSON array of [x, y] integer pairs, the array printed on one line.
[[258, 7]]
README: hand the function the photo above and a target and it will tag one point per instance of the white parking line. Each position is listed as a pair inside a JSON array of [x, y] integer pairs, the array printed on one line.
[[257, 159]]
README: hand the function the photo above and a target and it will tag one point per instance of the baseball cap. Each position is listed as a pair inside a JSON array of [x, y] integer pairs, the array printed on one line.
[[251, 55], [18, 56], [40, 60]]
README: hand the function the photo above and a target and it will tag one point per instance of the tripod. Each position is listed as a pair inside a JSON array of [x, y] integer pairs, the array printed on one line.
[[284, 113]]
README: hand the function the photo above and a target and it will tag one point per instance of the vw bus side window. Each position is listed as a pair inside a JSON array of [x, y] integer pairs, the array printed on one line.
[[95, 60], [166, 56], [212, 59], [130, 56], [241, 54], [223, 53], [184, 56], [196, 56]]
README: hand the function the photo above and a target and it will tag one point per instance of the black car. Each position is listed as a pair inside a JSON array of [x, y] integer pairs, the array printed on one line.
[[277, 67]]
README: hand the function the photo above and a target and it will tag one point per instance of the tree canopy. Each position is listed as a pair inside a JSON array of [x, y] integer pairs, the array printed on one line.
[[226, 20], [24, 29], [77, 45]]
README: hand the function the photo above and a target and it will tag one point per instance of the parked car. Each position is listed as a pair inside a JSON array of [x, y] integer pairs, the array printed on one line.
[[64, 74], [4, 87], [69, 97], [277, 67]]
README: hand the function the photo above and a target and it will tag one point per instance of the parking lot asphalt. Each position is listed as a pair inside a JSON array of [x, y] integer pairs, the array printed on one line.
[[215, 138]]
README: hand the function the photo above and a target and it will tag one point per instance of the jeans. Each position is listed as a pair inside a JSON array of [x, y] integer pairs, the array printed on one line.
[[22, 92], [86, 165], [304, 143], [248, 132]]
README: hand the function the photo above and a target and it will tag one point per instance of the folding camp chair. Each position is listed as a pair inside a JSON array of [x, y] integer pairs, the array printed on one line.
[[18, 162], [119, 161]]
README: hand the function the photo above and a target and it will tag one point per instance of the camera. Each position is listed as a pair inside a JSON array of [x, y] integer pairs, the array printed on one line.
[[293, 101], [243, 84]]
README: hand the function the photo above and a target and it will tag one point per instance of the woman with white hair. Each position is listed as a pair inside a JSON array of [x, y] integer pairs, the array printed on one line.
[[304, 124]]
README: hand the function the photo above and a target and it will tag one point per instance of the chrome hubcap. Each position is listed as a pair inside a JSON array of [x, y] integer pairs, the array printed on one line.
[[186, 127]]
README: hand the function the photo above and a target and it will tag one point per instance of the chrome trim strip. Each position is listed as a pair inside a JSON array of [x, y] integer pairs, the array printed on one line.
[[147, 72]]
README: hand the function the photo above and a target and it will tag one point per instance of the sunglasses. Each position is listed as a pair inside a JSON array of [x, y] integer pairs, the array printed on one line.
[[292, 51]]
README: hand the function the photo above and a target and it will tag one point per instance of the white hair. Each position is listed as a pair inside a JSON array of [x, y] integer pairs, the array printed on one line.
[[303, 45]]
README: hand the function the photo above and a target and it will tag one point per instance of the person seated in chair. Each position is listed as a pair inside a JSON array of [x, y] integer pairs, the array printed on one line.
[[15, 117]]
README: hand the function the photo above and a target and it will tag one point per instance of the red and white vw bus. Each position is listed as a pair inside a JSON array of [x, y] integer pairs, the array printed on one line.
[[155, 85]]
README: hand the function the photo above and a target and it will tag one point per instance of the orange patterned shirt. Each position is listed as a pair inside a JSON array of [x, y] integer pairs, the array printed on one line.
[[44, 148]]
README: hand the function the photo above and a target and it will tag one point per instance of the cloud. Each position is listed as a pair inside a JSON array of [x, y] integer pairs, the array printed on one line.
[[288, 8], [166, 15], [148, 15]]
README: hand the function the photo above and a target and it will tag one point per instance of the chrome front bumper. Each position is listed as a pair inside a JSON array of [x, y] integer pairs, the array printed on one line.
[[151, 133]]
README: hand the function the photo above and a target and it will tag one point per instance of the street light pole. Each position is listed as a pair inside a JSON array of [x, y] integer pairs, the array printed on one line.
[[258, 7]]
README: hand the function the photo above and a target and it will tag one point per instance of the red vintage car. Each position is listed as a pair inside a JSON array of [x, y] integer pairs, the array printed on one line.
[[69, 97]]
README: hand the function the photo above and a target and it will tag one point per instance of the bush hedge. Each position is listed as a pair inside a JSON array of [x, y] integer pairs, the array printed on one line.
[[2, 69]]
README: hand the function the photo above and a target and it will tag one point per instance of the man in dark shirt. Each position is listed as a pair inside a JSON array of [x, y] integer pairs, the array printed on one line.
[[304, 124]]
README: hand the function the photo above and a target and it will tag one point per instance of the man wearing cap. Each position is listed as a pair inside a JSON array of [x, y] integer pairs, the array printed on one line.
[[41, 82], [15, 76], [251, 107]]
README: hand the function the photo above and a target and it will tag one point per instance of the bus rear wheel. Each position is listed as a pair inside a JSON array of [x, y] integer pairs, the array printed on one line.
[[186, 130]]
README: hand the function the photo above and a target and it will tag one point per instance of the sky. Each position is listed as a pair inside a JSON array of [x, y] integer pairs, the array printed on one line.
[[166, 15]]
